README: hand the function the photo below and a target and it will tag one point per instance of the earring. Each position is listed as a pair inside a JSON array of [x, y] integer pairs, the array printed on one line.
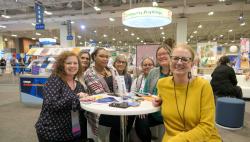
[[189, 75]]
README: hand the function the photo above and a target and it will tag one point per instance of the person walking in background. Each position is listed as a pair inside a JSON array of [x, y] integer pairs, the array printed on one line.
[[224, 81], [59, 120], [13, 63], [3, 65], [121, 65], [187, 102], [21, 66], [143, 124]]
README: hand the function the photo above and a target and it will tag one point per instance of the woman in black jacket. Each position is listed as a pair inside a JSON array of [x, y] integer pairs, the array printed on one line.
[[59, 118], [224, 82]]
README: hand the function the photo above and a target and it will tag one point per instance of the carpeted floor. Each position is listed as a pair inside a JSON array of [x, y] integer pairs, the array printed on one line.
[[17, 120]]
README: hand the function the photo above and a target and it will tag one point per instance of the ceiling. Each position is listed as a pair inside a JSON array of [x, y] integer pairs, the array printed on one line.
[[225, 18]]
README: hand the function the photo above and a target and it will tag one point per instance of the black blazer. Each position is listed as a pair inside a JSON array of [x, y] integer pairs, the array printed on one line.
[[224, 81], [54, 122]]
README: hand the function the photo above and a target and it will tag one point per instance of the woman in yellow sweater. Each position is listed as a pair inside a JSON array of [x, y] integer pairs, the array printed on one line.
[[187, 102]]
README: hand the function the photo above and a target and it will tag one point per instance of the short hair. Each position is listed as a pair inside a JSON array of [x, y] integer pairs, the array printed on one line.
[[59, 65], [188, 47], [119, 57], [149, 59], [95, 52], [224, 60], [84, 51]]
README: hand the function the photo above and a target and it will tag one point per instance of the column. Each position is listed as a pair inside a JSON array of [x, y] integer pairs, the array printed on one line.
[[181, 33], [1, 42], [63, 37]]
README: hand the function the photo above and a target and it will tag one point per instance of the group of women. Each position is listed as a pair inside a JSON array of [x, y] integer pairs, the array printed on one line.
[[186, 112]]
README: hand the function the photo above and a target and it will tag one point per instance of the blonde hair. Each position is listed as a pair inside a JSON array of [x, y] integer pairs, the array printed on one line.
[[188, 47]]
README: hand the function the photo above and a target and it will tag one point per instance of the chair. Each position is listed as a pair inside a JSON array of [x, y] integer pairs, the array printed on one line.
[[230, 113]]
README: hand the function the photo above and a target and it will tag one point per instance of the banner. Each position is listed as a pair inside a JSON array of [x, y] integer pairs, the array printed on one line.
[[39, 9], [69, 30]]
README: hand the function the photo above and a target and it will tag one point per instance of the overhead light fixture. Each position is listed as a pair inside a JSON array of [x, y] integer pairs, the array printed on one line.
[[113, 39], [126, 29], [33, 38], [5, 39], [210, 13], [146, 17], [221, 0], [162, 33], [200, 26], [1, 26], [154, 4], [33, 24], [230, 30], [5, 16], [111, 19], [221, 35], [72, 22], [161, 28], [214, 39], [97, 8], [243, 24], [14, 35], [195, 32], [47, 12], [132, 34], [81, 43], [99, 42], [105, 35], [141, 41], [38, 34], [95, 31], [79, 36], [82, 27], [191, 36], [164, 37], [137, 38]]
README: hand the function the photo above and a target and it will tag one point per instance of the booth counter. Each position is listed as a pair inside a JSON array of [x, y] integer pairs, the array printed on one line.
[[31, 88]]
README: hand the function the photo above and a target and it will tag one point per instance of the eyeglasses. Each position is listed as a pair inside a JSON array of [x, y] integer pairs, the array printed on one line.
[[147, 65], [183, 59], [121, 62]]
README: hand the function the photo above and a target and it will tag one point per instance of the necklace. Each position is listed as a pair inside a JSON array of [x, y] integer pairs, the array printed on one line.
[[71, 84], [183, 113]]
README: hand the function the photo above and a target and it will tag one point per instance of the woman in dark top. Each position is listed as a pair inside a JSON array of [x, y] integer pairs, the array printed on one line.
[[224, 80], [59, 120], [103, 79], [120, 65]]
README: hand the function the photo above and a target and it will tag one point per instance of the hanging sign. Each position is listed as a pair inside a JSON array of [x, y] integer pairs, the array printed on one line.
[[69, 30], [39, 9]]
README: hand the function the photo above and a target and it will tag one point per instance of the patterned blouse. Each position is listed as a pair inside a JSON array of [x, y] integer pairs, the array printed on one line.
[[54, 122]]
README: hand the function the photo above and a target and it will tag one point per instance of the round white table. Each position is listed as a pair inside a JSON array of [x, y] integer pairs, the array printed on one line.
[[103, 108]]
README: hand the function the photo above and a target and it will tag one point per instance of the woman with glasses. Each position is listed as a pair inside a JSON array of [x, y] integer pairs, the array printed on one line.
[[144, 123], [121, 65], [187, 102]]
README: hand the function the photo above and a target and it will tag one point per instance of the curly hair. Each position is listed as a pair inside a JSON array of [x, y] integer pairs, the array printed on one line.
[[59, 65]]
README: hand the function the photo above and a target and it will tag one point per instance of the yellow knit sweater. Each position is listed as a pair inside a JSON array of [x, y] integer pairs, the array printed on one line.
[[199, 115]]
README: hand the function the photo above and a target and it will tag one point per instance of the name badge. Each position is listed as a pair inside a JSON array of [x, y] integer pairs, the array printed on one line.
[[76, 130]]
